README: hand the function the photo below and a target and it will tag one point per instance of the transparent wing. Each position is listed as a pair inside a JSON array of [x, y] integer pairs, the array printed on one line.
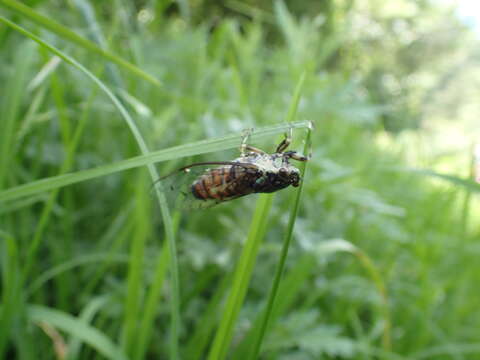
[[177, 186]]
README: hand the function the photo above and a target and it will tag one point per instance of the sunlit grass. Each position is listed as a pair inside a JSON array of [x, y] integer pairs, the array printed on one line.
[[88, 259]]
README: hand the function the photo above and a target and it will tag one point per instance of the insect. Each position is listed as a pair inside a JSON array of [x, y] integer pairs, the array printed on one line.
[[255, 171]]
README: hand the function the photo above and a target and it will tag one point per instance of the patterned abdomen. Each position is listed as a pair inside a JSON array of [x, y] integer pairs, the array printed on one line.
[[225, 183]]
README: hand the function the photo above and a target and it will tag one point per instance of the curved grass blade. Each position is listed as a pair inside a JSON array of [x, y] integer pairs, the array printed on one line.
[[72, 264], [74, 38], [86, 315], [176, 152], [77, 328], [175, 300]]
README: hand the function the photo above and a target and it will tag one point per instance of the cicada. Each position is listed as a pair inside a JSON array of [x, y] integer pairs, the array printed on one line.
[[255, 171]]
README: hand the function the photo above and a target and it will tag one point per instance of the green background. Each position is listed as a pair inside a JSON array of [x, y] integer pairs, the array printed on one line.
[[100, 98]]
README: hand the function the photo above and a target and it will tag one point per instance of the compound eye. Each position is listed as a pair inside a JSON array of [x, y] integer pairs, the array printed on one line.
[[296, 180]]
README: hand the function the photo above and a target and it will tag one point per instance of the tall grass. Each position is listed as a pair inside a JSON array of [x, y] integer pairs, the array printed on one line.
[[86, 254]]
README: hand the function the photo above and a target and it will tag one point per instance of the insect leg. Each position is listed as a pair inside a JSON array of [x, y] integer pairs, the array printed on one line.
[[285, 142], [254, 149], [245, 135], [297, 156]]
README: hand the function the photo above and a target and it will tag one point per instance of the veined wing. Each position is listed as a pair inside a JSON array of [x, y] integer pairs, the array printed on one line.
[[178, 185]]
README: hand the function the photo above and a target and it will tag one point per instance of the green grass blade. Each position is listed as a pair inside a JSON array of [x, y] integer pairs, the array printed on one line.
[[135, 284], [290, 292], [467, 199], [206, 323], [292, 111], [191, 149], [243, 272], [72, 264], [74, 38], [21, 204], [341, 245], [175, 300], [455, 180], [247, 259], [76, 328], [445, 351], [283, 258], [45, 216], [95, 32], [86, 315], [384, 310], [293, 108], [10, 289], [151, 305], [114, 239], [10, 106]]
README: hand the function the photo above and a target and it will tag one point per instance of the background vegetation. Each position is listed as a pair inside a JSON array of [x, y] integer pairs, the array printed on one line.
[[383, 259]]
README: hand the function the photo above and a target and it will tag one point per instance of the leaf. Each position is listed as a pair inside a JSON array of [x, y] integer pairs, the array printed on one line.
[[301, 331], [327, 340], [77, 328]]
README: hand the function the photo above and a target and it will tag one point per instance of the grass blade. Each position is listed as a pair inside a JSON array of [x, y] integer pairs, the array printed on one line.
[[175, 301], [455, 180], [247, 259], [10, 294], [77, 328], [140, 232], [10, 107], [199, 341], [341, 245], [191, 149], [86, 315], [46, 213], [292, 111], [74, 38], [72, 264], [150, 309], [281, 264], [289, 293], [243, 272]]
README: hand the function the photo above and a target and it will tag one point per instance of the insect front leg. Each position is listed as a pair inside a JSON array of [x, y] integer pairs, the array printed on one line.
[[245, 135], [285, 142], [297, 156]]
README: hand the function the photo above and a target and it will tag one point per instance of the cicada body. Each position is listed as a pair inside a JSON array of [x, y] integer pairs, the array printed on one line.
[[225, 183], [255, 171]]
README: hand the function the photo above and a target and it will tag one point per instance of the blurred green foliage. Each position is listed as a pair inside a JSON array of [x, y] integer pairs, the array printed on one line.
[[384, 260]]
